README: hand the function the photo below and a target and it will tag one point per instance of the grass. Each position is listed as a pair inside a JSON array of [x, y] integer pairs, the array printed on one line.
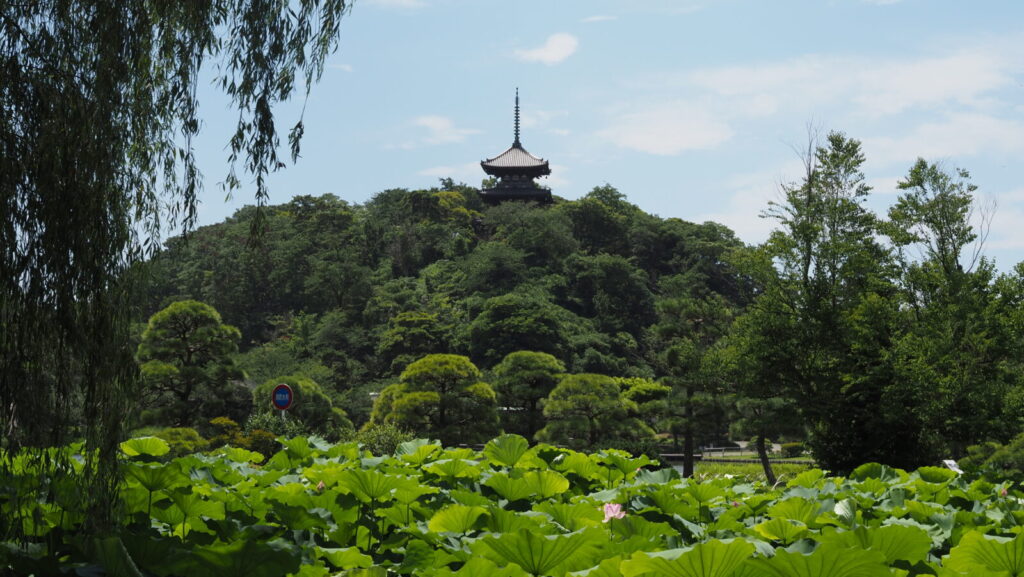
[[771, 457], [747, 472]]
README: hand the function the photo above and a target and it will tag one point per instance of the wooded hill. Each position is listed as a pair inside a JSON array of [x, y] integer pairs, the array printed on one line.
[[877, 339], [350, 294]]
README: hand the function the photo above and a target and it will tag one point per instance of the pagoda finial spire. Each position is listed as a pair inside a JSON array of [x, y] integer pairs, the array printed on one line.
[[516, 143]]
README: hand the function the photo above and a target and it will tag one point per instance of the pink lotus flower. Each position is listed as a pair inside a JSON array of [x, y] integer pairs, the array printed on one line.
[[613, 511], [320, 487]]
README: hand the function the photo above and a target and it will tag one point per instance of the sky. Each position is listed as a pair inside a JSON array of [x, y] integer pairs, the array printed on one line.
[[692, 109]]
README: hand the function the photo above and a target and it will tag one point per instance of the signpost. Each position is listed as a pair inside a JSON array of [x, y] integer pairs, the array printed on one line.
[[282, 398]]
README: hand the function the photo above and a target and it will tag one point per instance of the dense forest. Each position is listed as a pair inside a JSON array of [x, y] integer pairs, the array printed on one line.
[[589, 322]]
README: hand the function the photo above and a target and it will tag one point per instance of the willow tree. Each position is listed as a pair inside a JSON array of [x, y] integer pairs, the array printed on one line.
[[98, 109]]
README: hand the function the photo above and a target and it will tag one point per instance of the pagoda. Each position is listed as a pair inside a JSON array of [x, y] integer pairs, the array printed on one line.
[[516, 170]]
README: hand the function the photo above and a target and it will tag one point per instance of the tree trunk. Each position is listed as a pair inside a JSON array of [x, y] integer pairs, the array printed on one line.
[[688, 435], [762, 453]]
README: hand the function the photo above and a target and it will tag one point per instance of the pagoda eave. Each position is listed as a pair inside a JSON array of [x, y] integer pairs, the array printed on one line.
[[527, 171]]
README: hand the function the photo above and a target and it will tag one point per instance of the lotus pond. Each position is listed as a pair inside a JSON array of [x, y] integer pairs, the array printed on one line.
[[511, 510]]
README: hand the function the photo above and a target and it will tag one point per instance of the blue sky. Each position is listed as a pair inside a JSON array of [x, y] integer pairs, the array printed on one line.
[[692, 109]]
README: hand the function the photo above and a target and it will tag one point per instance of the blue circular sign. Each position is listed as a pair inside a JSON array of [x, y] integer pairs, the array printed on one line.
[[282, 397]]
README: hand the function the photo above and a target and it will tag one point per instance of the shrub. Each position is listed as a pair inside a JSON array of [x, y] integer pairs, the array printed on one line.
[[263, 442], [227, 433], [382, 438], [271, 422], [996, 462], [790, 450], [311, 406], [183, 440], [641, 445]]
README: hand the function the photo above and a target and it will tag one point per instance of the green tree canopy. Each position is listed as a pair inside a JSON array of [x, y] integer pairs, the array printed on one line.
[[588, 411], [818, 332], [522, 379], [411, 335], [441, 396], [948, 357], [185, 357], [520, 321]]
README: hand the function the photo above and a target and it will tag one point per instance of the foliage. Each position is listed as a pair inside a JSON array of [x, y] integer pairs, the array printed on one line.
[[522, 380], [440, 396], [183, 440], [411, 335], [588, 411], [947, 375], [997, 463], [272, 423], [349, 295], [97, 141], [817, 334], [518, 322], [513, 510], [790, 450], [382, 438], [310, 406], [186, 365], [688, 359]]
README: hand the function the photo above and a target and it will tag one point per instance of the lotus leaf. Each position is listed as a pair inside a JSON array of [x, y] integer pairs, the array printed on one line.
[[145, 446], [711, 559]]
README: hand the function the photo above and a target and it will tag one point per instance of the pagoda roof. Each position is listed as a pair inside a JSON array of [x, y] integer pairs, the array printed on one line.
[[516, 157]]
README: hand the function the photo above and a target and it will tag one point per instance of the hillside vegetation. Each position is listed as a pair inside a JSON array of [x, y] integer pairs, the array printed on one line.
[[874, 338]]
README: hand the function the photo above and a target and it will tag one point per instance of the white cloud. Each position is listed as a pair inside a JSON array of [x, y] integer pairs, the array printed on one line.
[[964, 78], [668, 129], [342, 67], [743, 213], [441, 130], [884, 185], [749, 196], [598, 18], [1006, 232], [964, 134], [540, 118], [556, 49], [556, 179], [872, 86]]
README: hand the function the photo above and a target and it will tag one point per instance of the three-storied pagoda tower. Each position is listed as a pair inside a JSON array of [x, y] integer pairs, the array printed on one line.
[[516, 170]]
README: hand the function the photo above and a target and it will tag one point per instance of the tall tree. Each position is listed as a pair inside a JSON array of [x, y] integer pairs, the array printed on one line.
[[522, 380], [950, 357], [588, 412], [185, 357], [100, 108], [820, 270], [759, 360], [684, 337]]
